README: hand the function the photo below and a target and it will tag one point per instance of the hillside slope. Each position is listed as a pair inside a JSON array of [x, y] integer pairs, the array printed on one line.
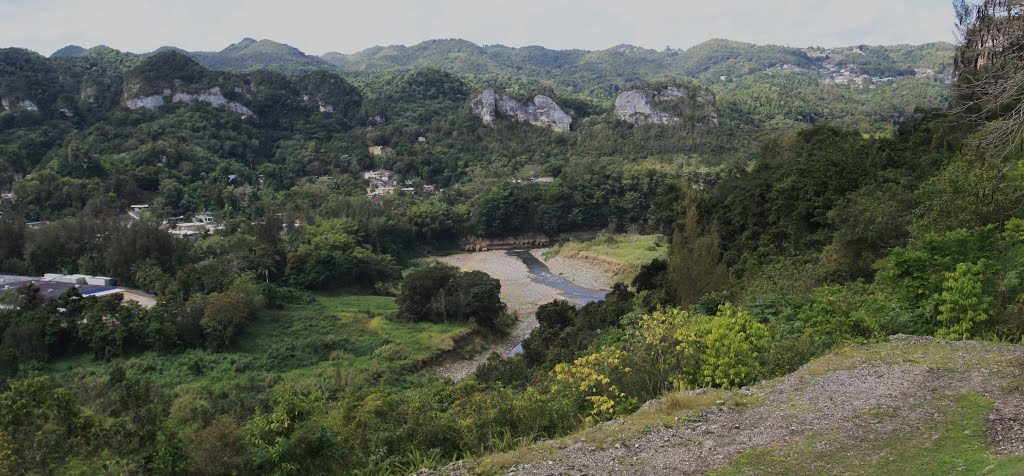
[[915, 405]]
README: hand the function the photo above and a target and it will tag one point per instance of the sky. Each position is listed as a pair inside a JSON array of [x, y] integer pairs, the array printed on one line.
[[347, 26]]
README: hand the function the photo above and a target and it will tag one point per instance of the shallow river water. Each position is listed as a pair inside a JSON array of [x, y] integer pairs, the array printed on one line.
[[540, 274]]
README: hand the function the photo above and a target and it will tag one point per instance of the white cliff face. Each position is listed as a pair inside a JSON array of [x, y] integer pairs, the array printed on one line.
[[485, 106], [540, 111], [147, 102], [30, 105], [25, 104], [641, 106], [543, 111], [212, 96]]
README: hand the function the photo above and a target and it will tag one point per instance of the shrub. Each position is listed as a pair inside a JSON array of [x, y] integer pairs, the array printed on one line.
[[962, 303], [223, 319], [734, 346]]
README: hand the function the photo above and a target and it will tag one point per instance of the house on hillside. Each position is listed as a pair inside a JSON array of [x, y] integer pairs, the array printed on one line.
[[136, 211], [202, 222], [378, 149], [379, 191], [380, 182]]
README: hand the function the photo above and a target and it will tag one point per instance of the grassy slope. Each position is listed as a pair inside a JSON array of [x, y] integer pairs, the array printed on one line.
[[621, 254], [944, 433], [291, 345]]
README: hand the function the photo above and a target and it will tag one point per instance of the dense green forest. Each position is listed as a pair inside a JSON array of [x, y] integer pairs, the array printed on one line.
[[294, 339]]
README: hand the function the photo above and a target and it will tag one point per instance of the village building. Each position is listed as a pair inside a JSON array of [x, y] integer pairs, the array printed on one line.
[[53, 285], [378, 149], [380, 182]]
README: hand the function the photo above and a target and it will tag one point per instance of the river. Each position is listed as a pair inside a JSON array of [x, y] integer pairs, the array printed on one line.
[[526, 284], [541, 274]]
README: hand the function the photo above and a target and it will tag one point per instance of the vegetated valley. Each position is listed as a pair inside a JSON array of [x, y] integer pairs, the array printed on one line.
[[256, 261]]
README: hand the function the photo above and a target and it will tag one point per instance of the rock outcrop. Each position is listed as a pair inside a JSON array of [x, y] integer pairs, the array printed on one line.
[[25, 104], [147, 102], [212, 97], [540, 111], [669, 105], [28, 105]]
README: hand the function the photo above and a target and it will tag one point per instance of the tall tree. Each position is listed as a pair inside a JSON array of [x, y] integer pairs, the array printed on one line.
[[695, 266]]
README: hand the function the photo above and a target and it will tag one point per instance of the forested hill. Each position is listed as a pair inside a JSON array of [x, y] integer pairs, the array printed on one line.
[[870, 88], [624, 63], [581, 69]]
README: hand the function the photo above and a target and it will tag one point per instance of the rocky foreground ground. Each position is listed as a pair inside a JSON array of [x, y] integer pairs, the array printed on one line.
[[893, 408]]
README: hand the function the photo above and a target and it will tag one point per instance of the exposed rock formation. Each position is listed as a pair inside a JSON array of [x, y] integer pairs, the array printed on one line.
[[212, 96], [666, 106], [29, 105], [146, 102], [25, 104], [540, 111], [543, 111]]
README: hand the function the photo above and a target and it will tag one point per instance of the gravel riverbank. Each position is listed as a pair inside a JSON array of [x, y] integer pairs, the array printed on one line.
[[581, 272]]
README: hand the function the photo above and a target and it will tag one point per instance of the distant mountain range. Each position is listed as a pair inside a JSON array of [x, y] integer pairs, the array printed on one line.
[[712, 59]]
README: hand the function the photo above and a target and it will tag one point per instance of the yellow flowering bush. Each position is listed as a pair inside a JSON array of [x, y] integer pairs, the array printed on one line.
[[591, 376], [667, 349]]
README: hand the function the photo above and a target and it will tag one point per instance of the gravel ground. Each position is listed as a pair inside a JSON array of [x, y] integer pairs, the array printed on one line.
[[580, 272], [833, 398], [517, 290]]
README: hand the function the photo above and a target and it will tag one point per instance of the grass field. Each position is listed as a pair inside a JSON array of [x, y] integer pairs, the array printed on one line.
[[295, 344], [622, 254]]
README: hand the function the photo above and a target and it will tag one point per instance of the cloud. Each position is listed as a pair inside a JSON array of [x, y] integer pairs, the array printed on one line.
[[350, 25]]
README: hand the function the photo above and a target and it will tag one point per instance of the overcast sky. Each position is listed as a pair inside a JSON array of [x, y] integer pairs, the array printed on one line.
[[347, 26]]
